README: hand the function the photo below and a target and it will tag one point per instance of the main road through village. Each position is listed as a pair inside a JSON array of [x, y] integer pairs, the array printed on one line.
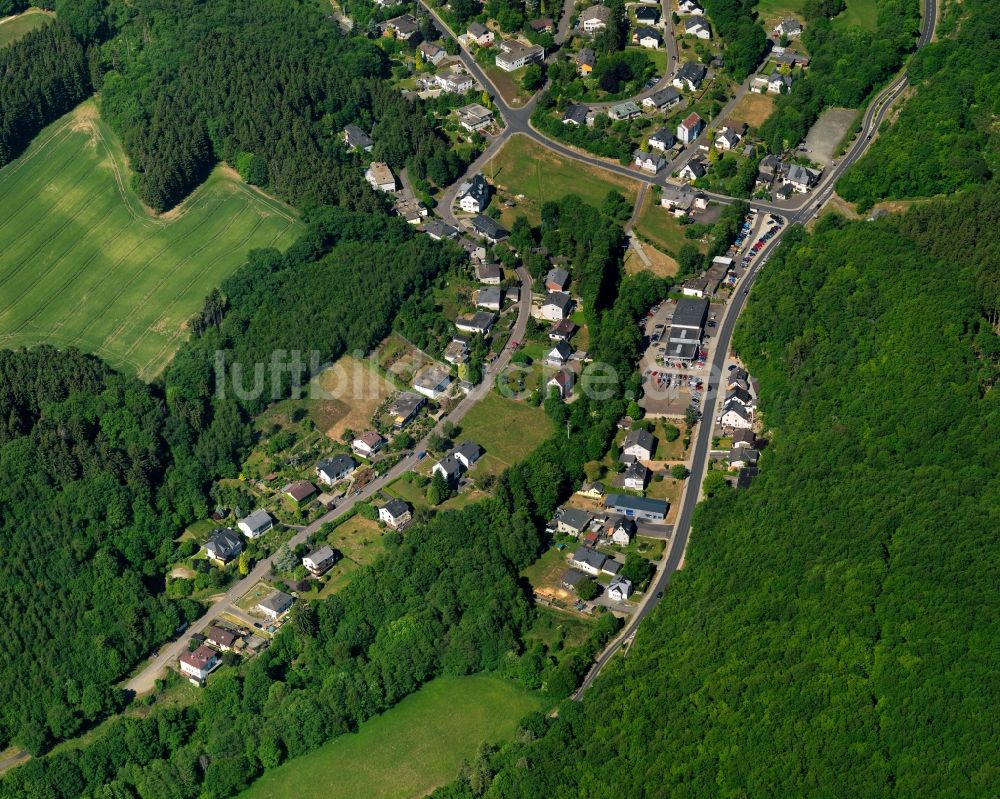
[[517, 121]]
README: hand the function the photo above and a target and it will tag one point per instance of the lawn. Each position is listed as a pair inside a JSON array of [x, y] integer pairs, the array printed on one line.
[[859, 13], [13, 28], [360, 541], [546, 571], [82, 263], [660, 227], [753, 108], [507, 429], [523, 167], [774, 10], [409, 750], [551, 627]]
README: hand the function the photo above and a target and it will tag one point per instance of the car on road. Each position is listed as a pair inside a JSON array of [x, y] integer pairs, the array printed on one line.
[[659, 595], [649, 84]]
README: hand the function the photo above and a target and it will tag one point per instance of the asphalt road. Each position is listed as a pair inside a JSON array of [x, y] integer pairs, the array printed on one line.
[[144, 681]]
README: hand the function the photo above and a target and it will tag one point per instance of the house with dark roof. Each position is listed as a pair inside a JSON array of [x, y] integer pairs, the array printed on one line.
[[480, 322], [740, 457], [662, 99], [653, 510], [438, 230], [635, 477], [450, 468], [585, 61], [368, 443], [562, 381], [744, 438], [557, 279], [557, 306], [576, 114], [332, 470], [356, 139], [619, 589], [299, 490], [490, 274], [479, 33], [474, 195], [647, 37], [197, 665], [594, 18], [489, 229], [223, 545], [590, 561], [320, 560], [573, 521], [559, 354], [562, 330], [221, 638], [640, 444], [690, 76], [432, 52], [405, 407], [395, 513], [651, 162], [736, 416], [647, 15], [746, 476], [662, 140], [275, 605], [541, 25], [790, 27], [692, 170], [402, 27]]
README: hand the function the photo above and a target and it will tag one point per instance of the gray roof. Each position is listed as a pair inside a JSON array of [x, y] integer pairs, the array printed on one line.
[[489, 227], [356, 137], [573, 577], [560, 299], [492, 295], [451, 465], [736, 408], [692, 71], [585, 56], [636, 503], [396, 507], [645, 32], [278, 602], [439, 230], [259, 518], [744, 454], [557, 275], [696, 167], [690, 312], [477, 29], [226, 542], [665, 136], [488, 272], [577, 112], [798, 174], [590, 556], [479, 321], [477, 188], [646, 14], [322, 554], [575, 518], [406, 403], [470, 450], [337, 464], [665, 96], [740, 394], [636, 471], [744, 437], [641, 437]]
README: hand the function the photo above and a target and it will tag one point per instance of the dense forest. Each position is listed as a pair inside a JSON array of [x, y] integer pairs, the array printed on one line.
[[945, 138], [832, 632], [44, 75], [446, 599], [846, 65]]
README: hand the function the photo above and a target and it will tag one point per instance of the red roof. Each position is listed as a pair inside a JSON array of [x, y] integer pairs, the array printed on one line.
[[300, 489], [692, 121], [221, 637], [200, 658]]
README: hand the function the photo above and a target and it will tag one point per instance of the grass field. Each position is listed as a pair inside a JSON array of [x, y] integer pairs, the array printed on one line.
[[409, 750], [83, 264], [13, 28], [752, 108], [662, 229], [507, 429], [524, 167], [859, 13]]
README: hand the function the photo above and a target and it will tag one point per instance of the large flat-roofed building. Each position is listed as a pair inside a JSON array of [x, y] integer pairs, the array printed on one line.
[[653, 510], [515, 54]]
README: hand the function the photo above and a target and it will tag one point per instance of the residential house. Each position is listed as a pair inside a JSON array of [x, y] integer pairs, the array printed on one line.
[[432, 381], [542, 25], [653, 510], [692, 170], [800, 178], [404, 408], [319, 561], [221, 638], [357, 139], [736, 416], [395, 513], [662, 99], [199, 664], [562, 382], [275, 605], [740, 457], [474, 117], [649, 162], [557, 306], [299, 491], [489, 229], [640, 444], [367, 444], [576, 114], [490, 298], [456, 351], [593, 490], [410, 209], [562, 331], [688, 7], [635, 477], [662, 140], [455, 81], [627, 110], [474, 195], [619, 589], [621, 531], [402, 27], [788, 58], [744, 438], [256, 524], [645, 15], [784, 191], [585, 61], [594, 18], [557, 279], [438, 230], [768, 167], [690, 128], [479, 33], [726, 140], [490, 274], [449, 468], [380, 177], [742, 396], [467, 453], [790, 28], [779, 83], [333, 470], [759, 84], [573, 521], [690, 76], [647, 37], [480, 322], [223, 545], [697, 26], [432, 53], [515, 54], [590, 561], [559, 354]]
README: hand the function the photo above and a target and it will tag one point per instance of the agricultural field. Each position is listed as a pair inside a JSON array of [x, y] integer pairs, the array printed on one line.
[[83, 264], [523, 167], [409, 750], [13, 28], [662, 229]]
